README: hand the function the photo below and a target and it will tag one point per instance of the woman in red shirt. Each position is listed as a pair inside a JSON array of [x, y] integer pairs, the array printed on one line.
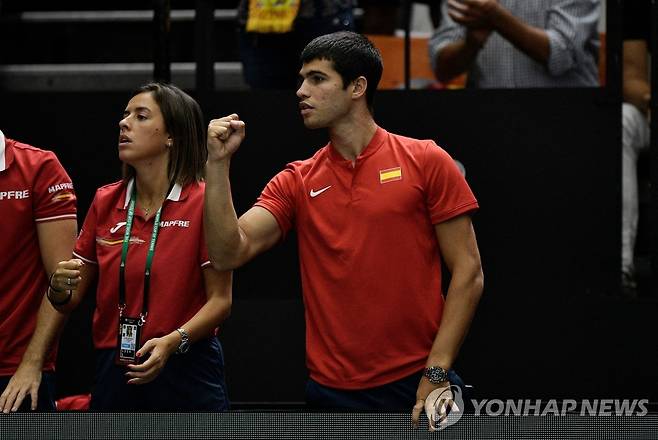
[[158, 301]]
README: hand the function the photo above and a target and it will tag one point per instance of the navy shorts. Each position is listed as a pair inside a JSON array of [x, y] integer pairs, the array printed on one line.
[[395, 396], [193, 381], [46, 397]]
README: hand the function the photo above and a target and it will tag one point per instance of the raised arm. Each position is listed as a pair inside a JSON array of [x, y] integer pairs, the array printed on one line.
[[231, 242]]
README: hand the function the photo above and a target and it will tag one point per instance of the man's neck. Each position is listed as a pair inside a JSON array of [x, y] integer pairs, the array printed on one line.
[[352, 136]]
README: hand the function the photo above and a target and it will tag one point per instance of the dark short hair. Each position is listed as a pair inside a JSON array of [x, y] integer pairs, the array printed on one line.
[[352, 55], [184, 122]]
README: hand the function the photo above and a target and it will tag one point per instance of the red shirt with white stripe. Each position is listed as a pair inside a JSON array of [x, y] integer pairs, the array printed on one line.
[[34, 188], [369, 257], [177, 290]]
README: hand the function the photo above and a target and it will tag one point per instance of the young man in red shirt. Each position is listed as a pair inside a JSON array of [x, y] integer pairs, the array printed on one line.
[[375, 214], [38, 227]]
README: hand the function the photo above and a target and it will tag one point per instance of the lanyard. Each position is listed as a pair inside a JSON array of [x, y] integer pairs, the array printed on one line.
[[149, 257]]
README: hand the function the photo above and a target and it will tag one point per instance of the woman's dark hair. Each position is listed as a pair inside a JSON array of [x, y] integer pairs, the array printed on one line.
[[184, 122]]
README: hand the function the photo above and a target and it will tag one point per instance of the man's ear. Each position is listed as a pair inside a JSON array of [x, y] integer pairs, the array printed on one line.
[[359, 87]]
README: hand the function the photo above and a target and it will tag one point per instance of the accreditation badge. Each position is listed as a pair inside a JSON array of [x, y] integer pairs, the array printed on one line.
[[129, 337]]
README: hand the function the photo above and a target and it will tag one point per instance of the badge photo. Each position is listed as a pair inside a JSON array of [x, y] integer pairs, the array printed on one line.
[[128, 340]]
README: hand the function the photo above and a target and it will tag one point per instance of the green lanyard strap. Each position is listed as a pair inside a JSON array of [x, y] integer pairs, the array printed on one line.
[[149, 257]]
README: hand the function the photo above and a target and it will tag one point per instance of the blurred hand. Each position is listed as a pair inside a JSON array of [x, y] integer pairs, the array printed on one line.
[[474, 14]]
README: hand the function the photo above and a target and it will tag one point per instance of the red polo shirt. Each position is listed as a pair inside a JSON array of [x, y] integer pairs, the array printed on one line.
[[369, 257], [177, 289], [33, 188]]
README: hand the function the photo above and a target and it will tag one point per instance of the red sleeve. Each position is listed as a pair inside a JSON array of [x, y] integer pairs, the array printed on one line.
[[54, 197], [85, 246], [278, 197], [447, 193]]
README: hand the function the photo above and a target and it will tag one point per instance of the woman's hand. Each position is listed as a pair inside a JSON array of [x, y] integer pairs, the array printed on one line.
[[159, 350]]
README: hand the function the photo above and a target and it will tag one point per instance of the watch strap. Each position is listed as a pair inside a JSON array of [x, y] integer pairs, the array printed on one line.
[[184, 341]]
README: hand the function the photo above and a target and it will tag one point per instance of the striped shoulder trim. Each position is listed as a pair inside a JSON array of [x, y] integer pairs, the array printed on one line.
[[84, 259], [56, 217]]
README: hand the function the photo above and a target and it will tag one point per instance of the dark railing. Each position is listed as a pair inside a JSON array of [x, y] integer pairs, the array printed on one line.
[[204, 49], [162, 28]]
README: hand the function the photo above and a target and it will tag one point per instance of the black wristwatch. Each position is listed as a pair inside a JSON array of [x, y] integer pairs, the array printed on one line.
[[184, 345], [435, 374]]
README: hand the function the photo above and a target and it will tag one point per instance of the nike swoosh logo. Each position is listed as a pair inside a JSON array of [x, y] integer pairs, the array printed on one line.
[[320, 191], [117, 227]]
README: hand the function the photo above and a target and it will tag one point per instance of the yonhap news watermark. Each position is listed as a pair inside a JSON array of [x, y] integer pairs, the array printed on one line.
[[555, 407], [445, 407]]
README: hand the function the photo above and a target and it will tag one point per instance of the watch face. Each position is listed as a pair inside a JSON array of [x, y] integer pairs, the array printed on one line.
[[436, 374]]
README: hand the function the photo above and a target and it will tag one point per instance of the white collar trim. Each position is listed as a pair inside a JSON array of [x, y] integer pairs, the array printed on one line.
[[174, 194]]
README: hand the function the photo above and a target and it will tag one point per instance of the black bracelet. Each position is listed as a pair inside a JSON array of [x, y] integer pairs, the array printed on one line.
[[62, 302], [50, 284]]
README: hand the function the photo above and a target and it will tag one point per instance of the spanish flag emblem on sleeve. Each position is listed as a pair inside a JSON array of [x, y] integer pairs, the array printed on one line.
[[390, 175], [63, 196]]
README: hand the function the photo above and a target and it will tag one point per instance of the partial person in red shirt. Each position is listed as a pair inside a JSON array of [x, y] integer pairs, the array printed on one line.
[[159, 301], [38, 226], [375, 213]]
